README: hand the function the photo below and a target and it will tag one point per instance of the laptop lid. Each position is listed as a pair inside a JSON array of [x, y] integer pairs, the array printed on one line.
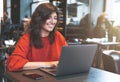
[[74, 59]]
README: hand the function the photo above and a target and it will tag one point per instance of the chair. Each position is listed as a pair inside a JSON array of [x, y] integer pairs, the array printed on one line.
[[111, 61]]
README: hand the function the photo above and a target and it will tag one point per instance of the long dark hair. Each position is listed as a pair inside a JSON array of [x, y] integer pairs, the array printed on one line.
[[38, 19]]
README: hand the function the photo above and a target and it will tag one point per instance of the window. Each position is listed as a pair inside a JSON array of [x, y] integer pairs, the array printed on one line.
[[113, 12], [35, 3]]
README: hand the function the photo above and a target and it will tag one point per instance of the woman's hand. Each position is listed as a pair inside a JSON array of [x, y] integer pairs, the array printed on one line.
[[55, 63], [52, 64]]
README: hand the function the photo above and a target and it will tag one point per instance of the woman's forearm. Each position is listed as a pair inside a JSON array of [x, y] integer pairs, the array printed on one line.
[[36, 65]]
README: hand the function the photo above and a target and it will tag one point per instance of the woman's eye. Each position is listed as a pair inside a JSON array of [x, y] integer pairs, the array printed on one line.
[[55, 18]]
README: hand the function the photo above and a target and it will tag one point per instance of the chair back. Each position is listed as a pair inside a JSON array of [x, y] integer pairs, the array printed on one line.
[[108, 63], [111, 61]]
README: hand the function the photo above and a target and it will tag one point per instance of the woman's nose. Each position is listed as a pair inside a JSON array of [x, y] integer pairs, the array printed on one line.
[[53, 20]]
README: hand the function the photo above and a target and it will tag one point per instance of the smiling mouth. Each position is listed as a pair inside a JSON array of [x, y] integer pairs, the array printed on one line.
[[50, 23]]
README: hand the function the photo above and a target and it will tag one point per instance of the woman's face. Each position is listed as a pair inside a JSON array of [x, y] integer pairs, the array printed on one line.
[[50, 23]]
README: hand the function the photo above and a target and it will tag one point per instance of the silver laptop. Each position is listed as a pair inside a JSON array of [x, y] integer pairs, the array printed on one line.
[[74, 59]]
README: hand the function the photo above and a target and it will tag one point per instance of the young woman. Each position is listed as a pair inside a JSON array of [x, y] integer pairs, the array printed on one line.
[[41, 45]]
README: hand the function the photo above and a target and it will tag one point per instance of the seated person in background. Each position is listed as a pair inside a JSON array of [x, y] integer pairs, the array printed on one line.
[[5, 26], [84, 22], [103, 25], [85, 26], [25, 24], [41, 45]]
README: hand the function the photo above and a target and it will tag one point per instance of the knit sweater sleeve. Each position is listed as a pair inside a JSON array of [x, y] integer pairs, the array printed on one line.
[[18, 58]]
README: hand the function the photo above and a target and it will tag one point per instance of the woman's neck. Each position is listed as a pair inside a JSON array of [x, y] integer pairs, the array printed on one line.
[[45, 34]]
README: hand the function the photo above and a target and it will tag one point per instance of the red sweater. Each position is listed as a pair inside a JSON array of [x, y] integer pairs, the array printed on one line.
[[24, 53]]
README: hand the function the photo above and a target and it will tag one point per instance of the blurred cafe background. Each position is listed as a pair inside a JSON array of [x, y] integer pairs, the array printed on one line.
[[78, 18], [81, 21]]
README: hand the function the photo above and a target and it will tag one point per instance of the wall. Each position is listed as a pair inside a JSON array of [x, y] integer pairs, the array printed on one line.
[[1, 14], [19, 8], [15, 11], [1, 8], [24, 8]]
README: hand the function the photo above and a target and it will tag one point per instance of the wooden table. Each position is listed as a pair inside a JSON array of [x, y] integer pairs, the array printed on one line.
[[94, 75]]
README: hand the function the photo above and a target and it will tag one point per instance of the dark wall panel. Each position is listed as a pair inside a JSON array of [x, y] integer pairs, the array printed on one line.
[[15, 11]]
